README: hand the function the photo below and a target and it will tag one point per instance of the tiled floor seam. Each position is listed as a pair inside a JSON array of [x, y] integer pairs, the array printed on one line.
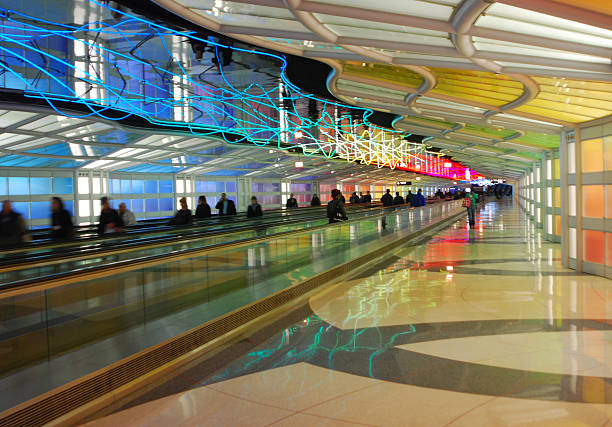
[[480, 405]]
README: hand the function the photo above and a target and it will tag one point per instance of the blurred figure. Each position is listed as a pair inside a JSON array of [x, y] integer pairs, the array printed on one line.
[[225, 206], [183, 215], [335, 208], [398, 200], [203, 210], [409, 197], [292, 202], [254, 209], [354, 198], [61, 220], [109, 220], [12, 226], [418, 199], [342, 197], [126, 216], [315, 201], [367, 197], [387, 198]]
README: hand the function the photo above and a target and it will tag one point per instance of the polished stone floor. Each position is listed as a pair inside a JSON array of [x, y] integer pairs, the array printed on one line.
[[474, 327]]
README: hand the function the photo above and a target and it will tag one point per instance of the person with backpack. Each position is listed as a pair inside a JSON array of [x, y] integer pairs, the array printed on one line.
[[335, 208], [469, 202]]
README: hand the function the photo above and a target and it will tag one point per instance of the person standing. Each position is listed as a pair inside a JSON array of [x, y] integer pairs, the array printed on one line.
[[354, 199], [367, 197], [225, 206], [109, 220], [126, 216], [183, 215], [12, 226], [254, 209], [203, 209], [418, 199], [398, 200], [470, 203], [292, 202], [61, 220], [315, 201], [387, 199], [409, 197], [335, 208]]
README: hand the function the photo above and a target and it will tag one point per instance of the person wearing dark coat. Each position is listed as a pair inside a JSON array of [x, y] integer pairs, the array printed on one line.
[[225, 206], [367, 198], [109, 220], [12, 226], [398, 200], [335, 208], [354, 198], [315, 201], [61, 220], [292, 202], [254, 209], [203, 209], [409, 197], [387, 199], [183, 215]]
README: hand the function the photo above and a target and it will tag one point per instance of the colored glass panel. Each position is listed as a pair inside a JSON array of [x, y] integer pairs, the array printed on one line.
[[594, 249], [592, 155], [557, 197], [593, 201], [609, 249]]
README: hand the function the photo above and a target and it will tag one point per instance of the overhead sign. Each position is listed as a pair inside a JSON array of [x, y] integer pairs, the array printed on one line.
[[404, 183]]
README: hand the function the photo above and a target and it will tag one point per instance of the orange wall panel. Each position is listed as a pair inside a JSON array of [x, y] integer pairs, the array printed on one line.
[[594, 246], [592, 155], [593, 201]]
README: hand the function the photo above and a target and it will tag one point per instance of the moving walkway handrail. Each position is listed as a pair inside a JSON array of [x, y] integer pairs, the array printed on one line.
[[60, 279], [47, 244], [144, 243]]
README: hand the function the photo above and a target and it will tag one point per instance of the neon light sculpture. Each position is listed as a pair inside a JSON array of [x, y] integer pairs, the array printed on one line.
[[78, 64]]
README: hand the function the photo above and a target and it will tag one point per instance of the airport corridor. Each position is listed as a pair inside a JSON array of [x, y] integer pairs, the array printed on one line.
[[472, 327]]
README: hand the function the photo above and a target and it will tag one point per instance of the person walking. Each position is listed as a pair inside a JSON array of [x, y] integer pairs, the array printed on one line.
[[203, 209], [126, 216], [387, 199], [183, 215], [12, 226], [469, 202], [254, 209], [225, 206], [61, 220], [335, 208], [109, 220]]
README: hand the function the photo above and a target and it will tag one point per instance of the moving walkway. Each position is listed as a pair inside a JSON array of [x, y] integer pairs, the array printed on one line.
[[25, 265]]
